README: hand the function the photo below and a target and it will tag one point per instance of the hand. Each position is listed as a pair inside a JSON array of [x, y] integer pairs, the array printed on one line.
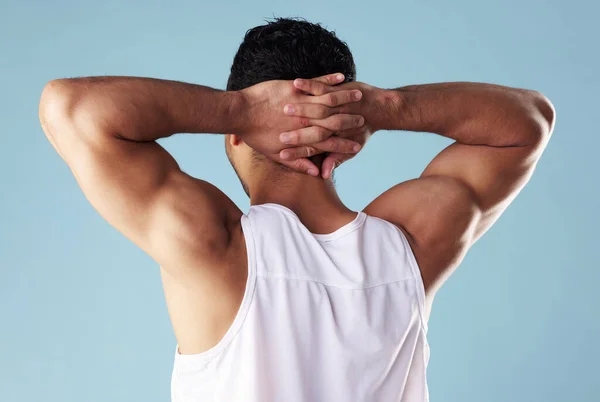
[[311, 136], [262, 105]]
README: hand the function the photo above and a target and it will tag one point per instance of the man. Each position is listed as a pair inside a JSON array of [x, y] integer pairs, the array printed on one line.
[[300, 299]]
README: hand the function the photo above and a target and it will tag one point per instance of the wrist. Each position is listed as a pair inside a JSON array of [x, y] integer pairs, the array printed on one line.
[[388, 106], [235, 104]]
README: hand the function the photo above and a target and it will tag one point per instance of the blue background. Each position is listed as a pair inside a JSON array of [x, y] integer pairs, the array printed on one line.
[[82, 316]]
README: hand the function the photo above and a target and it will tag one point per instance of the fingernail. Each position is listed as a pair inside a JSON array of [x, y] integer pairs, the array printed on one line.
[[313, 172], [339, 77], [289, 109], [299, 81], [356, 148], [285, 137], [360, 121], [357, 95]]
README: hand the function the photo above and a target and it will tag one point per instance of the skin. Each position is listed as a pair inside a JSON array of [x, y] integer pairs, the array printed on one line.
[[105, 128]]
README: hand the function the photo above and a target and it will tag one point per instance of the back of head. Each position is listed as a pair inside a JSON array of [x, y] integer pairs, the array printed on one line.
[[286, 49]]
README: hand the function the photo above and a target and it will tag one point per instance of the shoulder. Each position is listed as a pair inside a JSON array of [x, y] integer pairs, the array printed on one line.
[[195, 223], [437, 215]]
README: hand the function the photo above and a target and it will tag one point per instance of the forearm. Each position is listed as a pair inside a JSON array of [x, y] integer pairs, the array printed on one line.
[[144, 109], [470, 113]]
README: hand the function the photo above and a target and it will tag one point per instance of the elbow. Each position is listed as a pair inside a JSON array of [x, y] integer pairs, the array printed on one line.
[[535, 122], [64, 105], [64, 117], [56, 101], [546, 114], [543, 116]]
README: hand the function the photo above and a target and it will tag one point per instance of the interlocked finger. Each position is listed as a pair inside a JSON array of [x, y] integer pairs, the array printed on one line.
[[336, 98], [302, 165], [304, 136], [310, 110], [290, 154], [336, 145], [338, 122], [313, 87], [330, 79], [321, 129]]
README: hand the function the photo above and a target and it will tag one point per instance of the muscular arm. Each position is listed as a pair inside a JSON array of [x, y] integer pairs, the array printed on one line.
[[105, 129], [499, 135]]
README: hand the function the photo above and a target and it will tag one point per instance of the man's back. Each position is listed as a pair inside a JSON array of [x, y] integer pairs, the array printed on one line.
[[323, 317]]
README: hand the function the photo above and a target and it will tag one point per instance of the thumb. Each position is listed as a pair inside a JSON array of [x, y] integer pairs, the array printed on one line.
[[332, 161]]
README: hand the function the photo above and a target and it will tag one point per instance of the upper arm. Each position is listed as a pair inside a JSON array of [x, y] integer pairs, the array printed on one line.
[[460, 194], [141, 191], [488, 178]]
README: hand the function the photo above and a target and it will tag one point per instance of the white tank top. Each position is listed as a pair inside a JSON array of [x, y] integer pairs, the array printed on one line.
[[335, 317]]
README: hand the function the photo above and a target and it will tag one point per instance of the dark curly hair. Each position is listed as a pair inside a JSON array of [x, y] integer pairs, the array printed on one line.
[[289, 48]]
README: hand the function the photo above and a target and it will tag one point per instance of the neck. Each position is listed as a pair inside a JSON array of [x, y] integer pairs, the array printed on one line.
[[313, 199]]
